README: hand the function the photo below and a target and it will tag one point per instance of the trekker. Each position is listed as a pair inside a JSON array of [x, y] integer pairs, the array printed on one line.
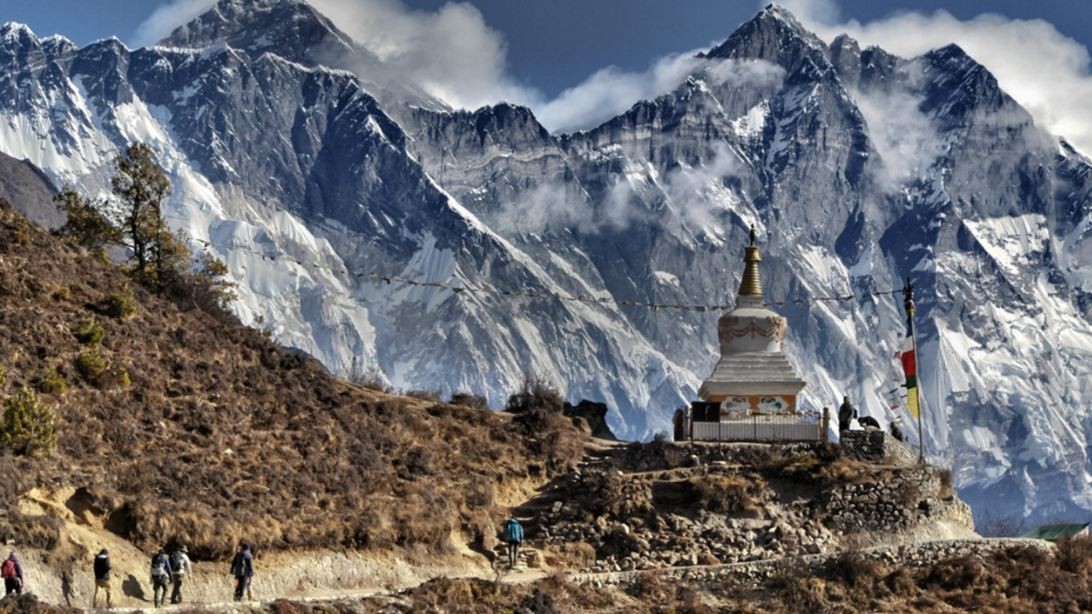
[[846, 414], [12, 572], [102, 578], [513, 532], [161, 577], [180, 564], [242, 567]]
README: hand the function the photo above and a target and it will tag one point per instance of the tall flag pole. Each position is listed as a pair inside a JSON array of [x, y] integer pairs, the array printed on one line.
[[910, 366]]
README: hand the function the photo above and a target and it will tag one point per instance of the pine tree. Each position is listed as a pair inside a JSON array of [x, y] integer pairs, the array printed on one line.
[[86, 225], [142, 187], [28, 425], [160, 259]]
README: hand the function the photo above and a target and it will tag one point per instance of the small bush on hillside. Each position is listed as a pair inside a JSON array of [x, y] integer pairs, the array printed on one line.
[[120, 305], [1075, 554], [720, 494], [535, 394], [115, 378], [91, 332], [371, 377], [27, 426], [3, 376], [426, 395], [91, 365], [61, 293], [53, 382], [468, 399]]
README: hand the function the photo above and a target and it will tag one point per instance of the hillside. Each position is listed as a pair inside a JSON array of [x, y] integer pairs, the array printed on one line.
[[201, 431]]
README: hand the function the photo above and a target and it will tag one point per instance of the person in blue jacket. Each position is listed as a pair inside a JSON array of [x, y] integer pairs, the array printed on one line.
[[513, 533]]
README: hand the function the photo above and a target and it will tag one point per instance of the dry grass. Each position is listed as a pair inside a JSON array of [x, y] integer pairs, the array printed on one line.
[[224, 436]]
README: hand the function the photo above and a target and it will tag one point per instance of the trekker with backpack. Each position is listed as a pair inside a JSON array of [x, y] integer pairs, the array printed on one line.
[[180, 563], [161, 576], [102, 577], [12, 572], [513, 533], [242, 567]]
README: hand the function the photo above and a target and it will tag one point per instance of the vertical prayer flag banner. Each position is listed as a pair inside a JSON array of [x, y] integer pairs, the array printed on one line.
[[909, 360]]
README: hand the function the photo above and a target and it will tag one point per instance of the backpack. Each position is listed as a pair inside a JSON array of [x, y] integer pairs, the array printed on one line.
[[514, 531], [7, 570], [176, 562], [159, 565]]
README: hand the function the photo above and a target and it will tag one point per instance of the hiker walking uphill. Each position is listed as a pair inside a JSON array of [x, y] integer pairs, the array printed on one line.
[[242, 567], [180, 564], [513, 533], [161, 577], [102, 578], [12, 572]]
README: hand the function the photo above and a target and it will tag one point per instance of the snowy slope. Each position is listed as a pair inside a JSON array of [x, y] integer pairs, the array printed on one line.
[[859, 169]]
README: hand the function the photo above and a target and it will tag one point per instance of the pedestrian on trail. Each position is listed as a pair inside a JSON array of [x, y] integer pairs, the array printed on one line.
[[513, 533], [180, 565], [846, 414], [161, 577], [242, 567], [12, 572], [102, 578]]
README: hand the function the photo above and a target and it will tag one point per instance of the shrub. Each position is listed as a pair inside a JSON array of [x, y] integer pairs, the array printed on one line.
[[1075, 554], [28, 425], [91, 332], [115, 378], [468, 399], [53, 382], [371, 378], [61, 293], [425, 395], [91, 365], [535, 394], [3, 376], [719, 493], [120, 305]]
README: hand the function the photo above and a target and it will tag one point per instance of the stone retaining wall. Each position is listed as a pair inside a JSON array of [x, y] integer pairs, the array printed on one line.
[[910, 496], [926, 553], [866, 445]]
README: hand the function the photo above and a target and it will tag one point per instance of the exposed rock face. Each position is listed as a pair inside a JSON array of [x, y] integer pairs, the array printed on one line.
[[595, 414], [27, 189], [857, 167]]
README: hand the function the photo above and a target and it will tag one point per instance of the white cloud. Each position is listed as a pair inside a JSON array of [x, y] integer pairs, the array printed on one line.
[[611, 91], [1047, 72], [166, 18], [451, 51], [905, 138]]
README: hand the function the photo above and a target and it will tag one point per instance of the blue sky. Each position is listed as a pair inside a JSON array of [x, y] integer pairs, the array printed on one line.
[[554, 44]]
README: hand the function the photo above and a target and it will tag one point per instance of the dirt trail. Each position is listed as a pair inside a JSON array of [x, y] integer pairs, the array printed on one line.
[[64, 576]]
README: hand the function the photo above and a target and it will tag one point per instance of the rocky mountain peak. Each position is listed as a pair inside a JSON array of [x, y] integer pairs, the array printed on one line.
[[776, 36], [295, 31], [259, 26]]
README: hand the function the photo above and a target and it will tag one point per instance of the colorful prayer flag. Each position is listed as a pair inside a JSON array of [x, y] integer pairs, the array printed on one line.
[[910, 363]]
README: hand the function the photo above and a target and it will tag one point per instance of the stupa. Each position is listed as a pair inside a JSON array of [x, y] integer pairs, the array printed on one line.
[[753, 376]]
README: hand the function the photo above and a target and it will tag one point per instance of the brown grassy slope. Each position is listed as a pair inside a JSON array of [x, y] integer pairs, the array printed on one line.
[[223, 435]]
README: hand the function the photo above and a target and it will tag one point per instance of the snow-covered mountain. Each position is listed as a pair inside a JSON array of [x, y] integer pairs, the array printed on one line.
[[859, 169]]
